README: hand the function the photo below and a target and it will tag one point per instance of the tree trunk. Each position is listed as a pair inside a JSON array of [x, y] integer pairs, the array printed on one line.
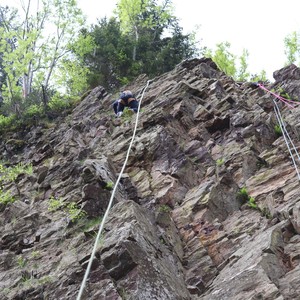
[[135, 45]]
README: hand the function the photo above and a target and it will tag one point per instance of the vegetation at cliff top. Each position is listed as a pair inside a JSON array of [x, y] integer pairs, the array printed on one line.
[[48, 57]]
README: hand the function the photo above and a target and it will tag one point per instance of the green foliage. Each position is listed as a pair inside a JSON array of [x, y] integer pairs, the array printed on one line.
[[251, 203], [6, 197], [55, 203], [262, 76], [35, 47], [242, 73], [278, 130], [8, 175], [135, 42], [164, 208], [220, 162], [35, 254], [231, 65], [109, 186], [74, 212], [292, 48], [58, 103], [224, 59], [283, 93], [22, 262], [243, 195], [266, 212], [25, 277], [6, 122], [127, 114], [34, 110]]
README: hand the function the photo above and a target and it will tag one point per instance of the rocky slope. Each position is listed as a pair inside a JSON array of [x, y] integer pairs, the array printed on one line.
[[182, 225]]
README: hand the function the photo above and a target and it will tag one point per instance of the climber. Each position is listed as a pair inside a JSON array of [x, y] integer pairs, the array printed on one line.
[[126, 100]]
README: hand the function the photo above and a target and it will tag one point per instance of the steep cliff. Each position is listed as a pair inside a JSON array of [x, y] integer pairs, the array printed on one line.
[[207, 208]]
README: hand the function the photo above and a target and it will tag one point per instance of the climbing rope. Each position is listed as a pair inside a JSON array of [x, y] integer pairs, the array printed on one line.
[[290, 103], [88, 269], [286, 136]]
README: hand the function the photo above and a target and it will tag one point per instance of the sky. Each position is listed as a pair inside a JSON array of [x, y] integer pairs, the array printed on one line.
[[259, 26]]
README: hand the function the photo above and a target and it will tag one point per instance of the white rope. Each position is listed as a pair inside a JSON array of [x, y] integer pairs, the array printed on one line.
[[286, 137], [111, 200]]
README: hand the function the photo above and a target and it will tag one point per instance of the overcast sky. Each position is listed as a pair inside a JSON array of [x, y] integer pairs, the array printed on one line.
[[259, 26]]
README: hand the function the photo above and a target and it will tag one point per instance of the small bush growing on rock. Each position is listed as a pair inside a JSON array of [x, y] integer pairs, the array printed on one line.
[[59, 103], [127, 114], [11, 173], [164, 208], [251, 203], [220, 162], [21, 262], [283, 93], [6, 197], [8, 175], [243, 195], [74, 212], [109, 186], [278, 130], [54, 203], [6, 122], [34, 110]]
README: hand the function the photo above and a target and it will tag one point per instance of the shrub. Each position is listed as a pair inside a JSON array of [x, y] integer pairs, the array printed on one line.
[[164, 208], [251, 203], [75, 213], [243, 195], [109, 186], [11, 173], [220, 162], [8, 175], [58, 103], [127, 114], [278, 130], [6, 122], [34, 110], [6, 197], [54, 203]]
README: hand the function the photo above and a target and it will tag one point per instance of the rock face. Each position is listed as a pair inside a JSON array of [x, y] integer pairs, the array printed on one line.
[[180, 226]]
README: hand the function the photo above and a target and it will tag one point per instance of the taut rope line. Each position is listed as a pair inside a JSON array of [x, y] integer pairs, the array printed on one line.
[[286, 136], [111, 200]]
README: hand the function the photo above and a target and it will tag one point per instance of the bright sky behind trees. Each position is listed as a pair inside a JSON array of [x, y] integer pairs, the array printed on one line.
[[259, 26]]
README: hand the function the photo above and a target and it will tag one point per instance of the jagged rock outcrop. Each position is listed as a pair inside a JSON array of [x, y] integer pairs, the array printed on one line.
[[179, 227]]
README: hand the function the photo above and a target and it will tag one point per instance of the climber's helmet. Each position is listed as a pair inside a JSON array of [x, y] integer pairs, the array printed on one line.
[[126, 95]]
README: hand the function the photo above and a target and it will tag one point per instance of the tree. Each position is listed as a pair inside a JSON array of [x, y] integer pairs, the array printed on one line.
[[72, 72], [242, 73], [7, 45], [226, 62], [292, 48], [143, 37], [140, 17], [109, 61], [224, 59], [42, 37]]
